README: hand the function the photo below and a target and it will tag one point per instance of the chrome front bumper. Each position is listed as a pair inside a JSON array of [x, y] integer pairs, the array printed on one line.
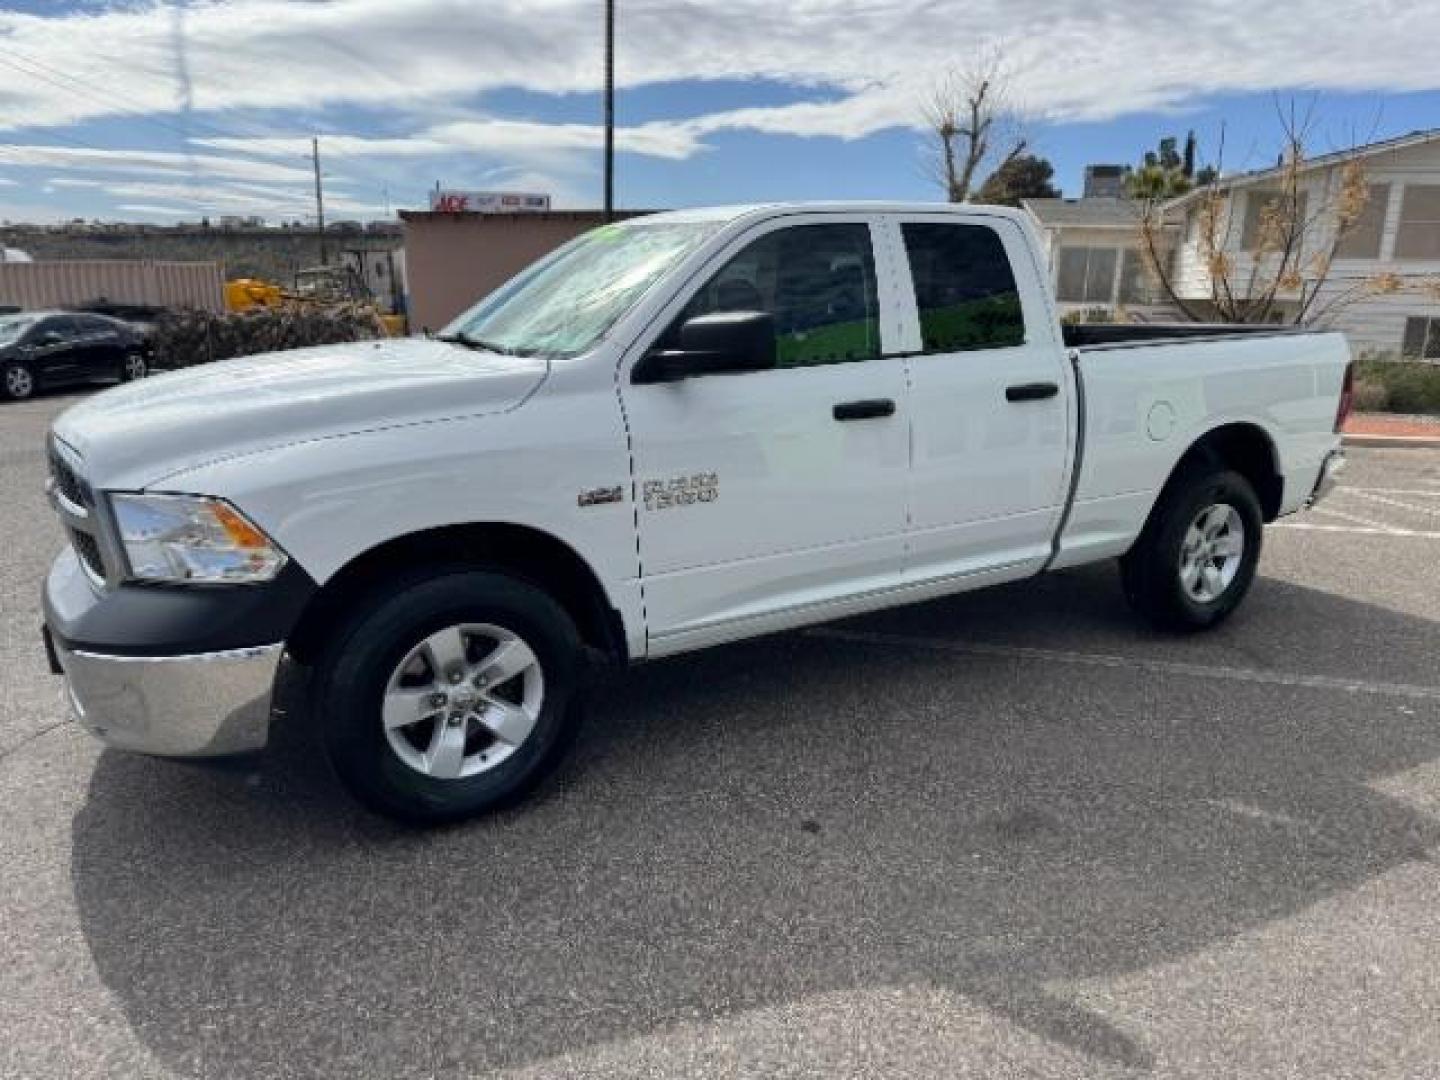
[[176, 706]]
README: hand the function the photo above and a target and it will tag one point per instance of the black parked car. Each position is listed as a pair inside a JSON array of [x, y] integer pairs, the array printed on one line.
[[56, 348]]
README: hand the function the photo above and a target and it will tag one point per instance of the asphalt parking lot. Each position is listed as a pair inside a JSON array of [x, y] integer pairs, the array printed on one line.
[[1008, 834]]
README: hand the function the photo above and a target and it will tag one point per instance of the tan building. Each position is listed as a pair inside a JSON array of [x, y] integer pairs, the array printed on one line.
[[1093, 245], [1397, 237], [452, 260]]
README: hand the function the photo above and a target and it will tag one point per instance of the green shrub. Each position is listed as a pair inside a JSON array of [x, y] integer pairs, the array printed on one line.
[[1371, 396], [1409, 386]]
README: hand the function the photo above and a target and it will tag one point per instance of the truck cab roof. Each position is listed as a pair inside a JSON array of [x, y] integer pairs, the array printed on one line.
[[743, 211]]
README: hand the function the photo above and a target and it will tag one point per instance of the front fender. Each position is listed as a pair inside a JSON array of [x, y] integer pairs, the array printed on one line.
[[329, 501]]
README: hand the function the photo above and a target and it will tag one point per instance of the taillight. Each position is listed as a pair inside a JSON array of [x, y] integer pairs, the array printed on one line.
[[1347, 398]]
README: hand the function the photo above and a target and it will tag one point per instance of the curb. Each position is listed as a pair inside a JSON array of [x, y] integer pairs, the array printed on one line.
[[1393, 442]]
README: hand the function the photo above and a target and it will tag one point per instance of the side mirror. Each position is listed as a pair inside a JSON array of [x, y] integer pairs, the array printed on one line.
[[50, 337], [725, 342]]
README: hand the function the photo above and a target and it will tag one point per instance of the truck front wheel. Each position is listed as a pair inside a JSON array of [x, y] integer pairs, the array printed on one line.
[[1196, 557], [454, 694]]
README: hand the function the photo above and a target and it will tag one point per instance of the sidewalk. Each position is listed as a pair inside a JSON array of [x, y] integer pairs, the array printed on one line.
[[1387, 429]]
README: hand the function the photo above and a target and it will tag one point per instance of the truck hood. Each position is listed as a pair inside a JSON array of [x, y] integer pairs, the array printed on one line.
[[137, 434]]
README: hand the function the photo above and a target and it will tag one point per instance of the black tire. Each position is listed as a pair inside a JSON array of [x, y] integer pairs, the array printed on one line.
[[17, 381], [130, 371], [354, 675], [1151, 570]]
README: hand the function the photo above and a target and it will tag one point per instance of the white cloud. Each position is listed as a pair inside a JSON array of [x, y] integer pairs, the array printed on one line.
[[511, 138], [151, 210], [236, 199], [148, 163], [218, 197], [1073, 60]]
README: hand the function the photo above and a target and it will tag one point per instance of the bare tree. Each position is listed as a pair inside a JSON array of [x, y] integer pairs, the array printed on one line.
[[970, 122], [1287, 247]]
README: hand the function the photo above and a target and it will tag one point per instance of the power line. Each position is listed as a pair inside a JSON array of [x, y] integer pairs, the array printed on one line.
[[74, 85], [62, 81]]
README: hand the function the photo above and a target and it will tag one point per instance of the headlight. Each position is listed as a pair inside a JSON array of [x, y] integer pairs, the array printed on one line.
[[192, 538]]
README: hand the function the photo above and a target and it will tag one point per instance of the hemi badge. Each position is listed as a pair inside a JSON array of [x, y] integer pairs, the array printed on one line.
[[601, 495]]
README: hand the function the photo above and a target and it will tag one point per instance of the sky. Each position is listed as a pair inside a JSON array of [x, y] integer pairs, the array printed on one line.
[[162, 111]]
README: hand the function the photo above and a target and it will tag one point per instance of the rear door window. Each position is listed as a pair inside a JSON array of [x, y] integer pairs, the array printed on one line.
[[96, 327], [964, 287]]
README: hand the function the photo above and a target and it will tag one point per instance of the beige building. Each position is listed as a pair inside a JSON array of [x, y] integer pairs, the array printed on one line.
[[1398, 234], [454, 259], [1093, 246]]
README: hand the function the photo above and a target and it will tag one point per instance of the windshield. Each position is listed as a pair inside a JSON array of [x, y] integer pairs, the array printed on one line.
[[565, 303], [12, 326]]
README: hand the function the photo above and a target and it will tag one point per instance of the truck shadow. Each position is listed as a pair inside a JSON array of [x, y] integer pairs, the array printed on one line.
[[762, 823]]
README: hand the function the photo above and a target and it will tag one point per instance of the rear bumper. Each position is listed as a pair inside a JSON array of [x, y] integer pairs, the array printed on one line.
[[201, 705], [1330, 470]]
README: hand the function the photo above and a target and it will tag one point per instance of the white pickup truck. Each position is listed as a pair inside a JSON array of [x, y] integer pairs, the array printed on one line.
[[681, 430]]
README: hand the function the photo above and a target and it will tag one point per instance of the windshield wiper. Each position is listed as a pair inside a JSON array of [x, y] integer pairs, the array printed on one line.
[[481, 345]]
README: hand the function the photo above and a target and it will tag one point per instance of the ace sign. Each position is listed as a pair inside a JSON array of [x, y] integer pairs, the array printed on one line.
[[488, 202]]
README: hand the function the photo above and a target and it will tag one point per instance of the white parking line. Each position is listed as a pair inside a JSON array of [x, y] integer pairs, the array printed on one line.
[[1358, 530], [1432, 492], [1162, 667], [1329, 511], [1385, 500]]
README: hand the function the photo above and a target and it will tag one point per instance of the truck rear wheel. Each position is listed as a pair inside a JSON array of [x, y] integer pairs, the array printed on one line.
[[453, 695], [1196, 557]]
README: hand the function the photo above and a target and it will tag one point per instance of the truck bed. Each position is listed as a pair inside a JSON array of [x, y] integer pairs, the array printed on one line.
[[1082, 335]]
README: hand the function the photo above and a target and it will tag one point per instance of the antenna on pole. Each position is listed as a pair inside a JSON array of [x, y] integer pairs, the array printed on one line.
[[319, 201], [609, 109]]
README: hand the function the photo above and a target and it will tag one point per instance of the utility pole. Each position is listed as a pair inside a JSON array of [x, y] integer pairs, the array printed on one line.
[[319, 202], [609, 109]]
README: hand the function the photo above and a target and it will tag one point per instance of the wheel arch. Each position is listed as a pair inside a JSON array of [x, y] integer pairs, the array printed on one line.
[[1245, 447], [534, 555]]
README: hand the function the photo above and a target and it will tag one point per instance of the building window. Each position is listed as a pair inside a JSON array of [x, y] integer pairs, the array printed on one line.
[[964, 287], [1363, 239], [1087, 275], [1271, 216], [1418, 236], [1422, 339], [1135, 286]]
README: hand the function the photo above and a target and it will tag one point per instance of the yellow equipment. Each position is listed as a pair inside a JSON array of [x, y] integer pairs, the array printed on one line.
[[247, 294], [317, 285]]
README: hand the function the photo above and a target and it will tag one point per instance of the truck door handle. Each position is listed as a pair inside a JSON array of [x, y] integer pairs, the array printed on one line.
[[1031, 391], [864, 410]]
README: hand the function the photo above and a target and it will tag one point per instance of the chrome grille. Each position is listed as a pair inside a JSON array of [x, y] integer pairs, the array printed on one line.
[[67, 481], [74, 501], [89, 551]]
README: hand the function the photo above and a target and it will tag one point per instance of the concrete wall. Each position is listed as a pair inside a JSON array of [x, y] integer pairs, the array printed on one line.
[[453, 260], [63, 284]]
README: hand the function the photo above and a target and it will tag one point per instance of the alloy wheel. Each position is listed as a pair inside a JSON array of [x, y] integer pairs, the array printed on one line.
[[1211, 553], [463, 700], [19, 383]]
